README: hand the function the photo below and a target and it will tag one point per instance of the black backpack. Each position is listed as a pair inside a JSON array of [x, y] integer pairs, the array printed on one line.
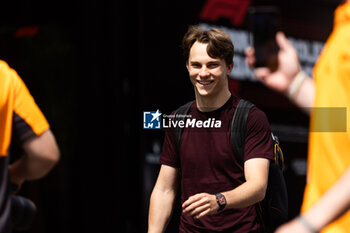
[[273, 210]]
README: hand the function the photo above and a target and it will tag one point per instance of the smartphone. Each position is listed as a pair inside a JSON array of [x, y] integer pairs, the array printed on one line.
[[264, 24]]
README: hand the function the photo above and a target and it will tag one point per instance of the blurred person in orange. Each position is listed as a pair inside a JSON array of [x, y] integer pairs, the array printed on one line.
[[22, 118], [326, 98]]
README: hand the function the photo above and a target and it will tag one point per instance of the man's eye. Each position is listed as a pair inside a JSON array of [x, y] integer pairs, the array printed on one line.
[[213, 65], [196, 66]]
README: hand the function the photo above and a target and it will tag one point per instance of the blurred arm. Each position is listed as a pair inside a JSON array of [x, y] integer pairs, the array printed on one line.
[[41, 153], [334, 203], [305, 95]]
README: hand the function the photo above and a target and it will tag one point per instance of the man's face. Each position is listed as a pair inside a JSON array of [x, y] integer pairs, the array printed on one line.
[[208, 75]]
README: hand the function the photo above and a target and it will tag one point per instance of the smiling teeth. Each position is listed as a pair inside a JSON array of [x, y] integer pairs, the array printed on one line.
[[204, 82]]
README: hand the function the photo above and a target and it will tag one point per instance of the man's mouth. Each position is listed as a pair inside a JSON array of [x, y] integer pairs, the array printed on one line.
[[205, 83]]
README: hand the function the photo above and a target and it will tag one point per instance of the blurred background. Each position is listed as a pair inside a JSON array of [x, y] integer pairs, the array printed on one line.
[[94, 66]]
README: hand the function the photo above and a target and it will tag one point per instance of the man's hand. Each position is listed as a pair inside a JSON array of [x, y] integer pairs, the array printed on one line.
[[16, 182], [200, 205], [288, 65]]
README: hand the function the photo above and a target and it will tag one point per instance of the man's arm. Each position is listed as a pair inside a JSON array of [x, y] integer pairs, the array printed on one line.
[[41, 153], [162, 199], [334, 203], [250, 192]]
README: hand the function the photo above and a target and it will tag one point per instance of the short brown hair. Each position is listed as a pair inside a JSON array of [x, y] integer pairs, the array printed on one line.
[[219, 43]]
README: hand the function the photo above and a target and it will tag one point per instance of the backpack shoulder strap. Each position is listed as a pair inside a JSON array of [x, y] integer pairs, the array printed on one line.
[[238, 128], [180, 115]]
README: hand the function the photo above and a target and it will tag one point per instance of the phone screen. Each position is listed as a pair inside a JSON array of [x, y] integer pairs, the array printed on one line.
[[264, 23]]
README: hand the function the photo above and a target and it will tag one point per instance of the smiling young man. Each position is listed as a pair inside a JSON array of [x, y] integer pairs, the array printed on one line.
[[217, 193]]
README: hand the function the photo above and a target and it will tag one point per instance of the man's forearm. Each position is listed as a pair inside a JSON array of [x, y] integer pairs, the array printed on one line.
[[254, 189], [334, 203], [27, 168], [304, 95], [161, 206], [40, 155], [247, 194], [244, 195]]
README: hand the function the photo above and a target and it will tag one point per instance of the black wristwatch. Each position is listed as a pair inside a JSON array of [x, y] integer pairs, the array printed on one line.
[[221, 200]]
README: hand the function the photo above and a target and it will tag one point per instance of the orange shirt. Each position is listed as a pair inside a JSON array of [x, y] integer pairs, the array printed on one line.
[[329, 144], [15, 100]]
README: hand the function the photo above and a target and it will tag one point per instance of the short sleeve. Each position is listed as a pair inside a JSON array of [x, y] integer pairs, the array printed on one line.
[[258, 142], [169, 155], [28, 120]]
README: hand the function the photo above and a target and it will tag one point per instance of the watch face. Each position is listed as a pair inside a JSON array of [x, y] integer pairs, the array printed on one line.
[[221, 199]]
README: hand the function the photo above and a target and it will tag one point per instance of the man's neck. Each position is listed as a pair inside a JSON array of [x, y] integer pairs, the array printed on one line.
[[211, 103]]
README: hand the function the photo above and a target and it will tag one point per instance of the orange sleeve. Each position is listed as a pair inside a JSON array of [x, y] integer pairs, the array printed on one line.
[[15, 100], [26, 108], [6, 102]]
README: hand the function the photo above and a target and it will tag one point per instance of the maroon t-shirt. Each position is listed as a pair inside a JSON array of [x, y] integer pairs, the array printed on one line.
[[208, 164]]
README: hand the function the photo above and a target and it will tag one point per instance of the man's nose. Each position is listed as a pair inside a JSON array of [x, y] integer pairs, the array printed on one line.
[[204, 72]]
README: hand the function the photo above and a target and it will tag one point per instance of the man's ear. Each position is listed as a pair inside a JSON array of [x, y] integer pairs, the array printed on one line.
[[187, 66], [230, 67]]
